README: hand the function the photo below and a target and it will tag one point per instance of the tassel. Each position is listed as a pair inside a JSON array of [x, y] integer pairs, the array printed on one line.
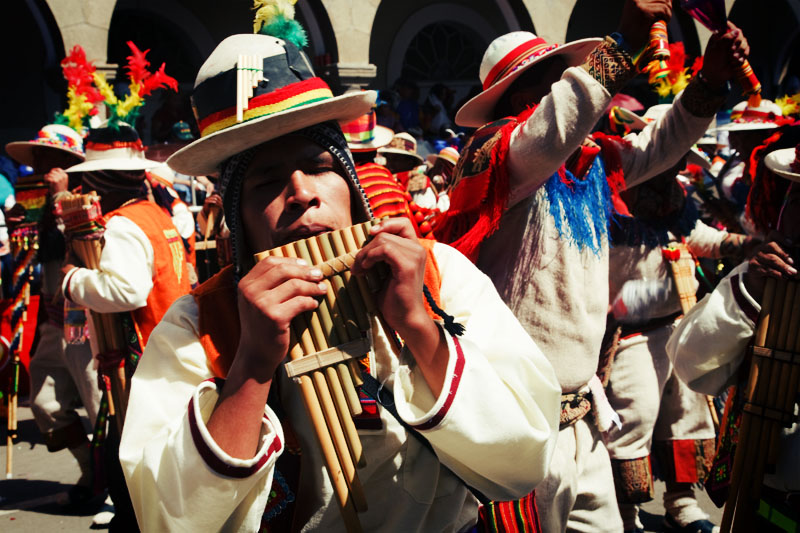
[[453, 328]]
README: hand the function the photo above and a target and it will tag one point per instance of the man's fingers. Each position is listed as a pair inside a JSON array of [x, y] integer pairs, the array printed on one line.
[[293, 288], [400, 226]]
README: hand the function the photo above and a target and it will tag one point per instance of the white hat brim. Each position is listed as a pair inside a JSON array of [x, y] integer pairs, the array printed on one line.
[[696, 157], [397, 151], [780, 162], [479, 110], [744, 126], [115, 163], [382, 137], [22, 151], [203, 156]]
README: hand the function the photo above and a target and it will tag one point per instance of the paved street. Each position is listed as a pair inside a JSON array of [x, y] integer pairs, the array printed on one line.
[[30, 501]]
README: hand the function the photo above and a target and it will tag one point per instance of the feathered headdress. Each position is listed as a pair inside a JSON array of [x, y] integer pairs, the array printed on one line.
[[142, 83], [82, 96], [677, 74], [790, 105], [276, 18]]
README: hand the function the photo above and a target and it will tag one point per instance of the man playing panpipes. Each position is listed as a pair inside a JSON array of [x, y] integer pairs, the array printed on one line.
[[204, 449], [709, 348], [531, 206]]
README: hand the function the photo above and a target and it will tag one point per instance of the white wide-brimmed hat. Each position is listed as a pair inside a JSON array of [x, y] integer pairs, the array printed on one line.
[[403, 144], [746, 117], [53, 136], [653, 113], [276, 91], [785, 163], [115, 147], [507, 57]]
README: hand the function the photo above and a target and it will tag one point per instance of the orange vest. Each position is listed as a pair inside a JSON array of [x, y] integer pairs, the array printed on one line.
[[171, 278], [218, 312]]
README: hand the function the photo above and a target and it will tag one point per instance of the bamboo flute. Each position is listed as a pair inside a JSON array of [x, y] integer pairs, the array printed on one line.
[[321, 341], [750, 424], [314, 402]]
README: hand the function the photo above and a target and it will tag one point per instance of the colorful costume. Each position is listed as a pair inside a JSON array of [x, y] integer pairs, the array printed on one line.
[[657, 410], [499, 362], [708, 349], [539, 229], [498, 404]]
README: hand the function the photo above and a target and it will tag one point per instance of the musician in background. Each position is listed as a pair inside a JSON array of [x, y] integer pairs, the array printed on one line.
[[62, 373], [205, 453], [658, 413], [709, 346], [142, 269], [532, 204]]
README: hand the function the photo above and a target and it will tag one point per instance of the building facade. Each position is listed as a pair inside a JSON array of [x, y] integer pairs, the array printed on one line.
[[353, 43]]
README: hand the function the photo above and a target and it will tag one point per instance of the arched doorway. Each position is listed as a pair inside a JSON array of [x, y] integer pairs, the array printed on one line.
[[34, 65], [168, 43]]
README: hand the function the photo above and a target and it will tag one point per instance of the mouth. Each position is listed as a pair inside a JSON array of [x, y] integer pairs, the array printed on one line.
[[304, 232]]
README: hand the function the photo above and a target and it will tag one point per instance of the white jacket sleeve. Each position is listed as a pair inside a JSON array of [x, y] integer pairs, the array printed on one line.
[[179, 479], [500, 404], [709, 344], [562, 120], [125, 278], [661, 143], [705, 241]]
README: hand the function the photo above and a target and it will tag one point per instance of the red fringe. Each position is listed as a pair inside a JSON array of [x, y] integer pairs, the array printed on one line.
[[478, 203], [611, 145]]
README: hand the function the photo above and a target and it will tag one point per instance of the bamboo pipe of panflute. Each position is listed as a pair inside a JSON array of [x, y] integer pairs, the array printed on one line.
[[337, 323], [306, 337], [323, 412], [325, 336], [768, 324]]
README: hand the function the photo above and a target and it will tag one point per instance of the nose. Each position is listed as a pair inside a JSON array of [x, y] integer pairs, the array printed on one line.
[[302, 192]]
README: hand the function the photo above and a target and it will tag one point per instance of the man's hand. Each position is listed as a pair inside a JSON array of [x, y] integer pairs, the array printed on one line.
[[637, 18], [57, 180], [212, 202], [394, 242], [771, 260], [270, 296], [724, 54]]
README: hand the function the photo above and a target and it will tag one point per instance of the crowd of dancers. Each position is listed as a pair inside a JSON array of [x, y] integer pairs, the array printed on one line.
[[514, 328]]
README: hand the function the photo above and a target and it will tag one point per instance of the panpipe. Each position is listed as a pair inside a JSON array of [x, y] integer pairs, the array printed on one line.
[[325, 346], [772, 389], [84, 227], [249, 73], [682, 266]]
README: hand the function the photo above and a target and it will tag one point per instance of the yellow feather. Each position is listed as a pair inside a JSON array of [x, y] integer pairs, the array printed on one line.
[[267, 10], [790, 105], [104, 88], [663, 88]]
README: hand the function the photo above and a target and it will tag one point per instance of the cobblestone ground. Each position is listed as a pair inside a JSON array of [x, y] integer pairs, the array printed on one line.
[[32, 500]]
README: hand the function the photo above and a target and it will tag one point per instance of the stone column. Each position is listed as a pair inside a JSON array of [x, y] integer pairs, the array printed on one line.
[[86, 23], [352, 27]]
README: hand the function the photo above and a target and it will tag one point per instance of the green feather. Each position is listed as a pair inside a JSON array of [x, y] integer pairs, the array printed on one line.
[[287, 29]]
